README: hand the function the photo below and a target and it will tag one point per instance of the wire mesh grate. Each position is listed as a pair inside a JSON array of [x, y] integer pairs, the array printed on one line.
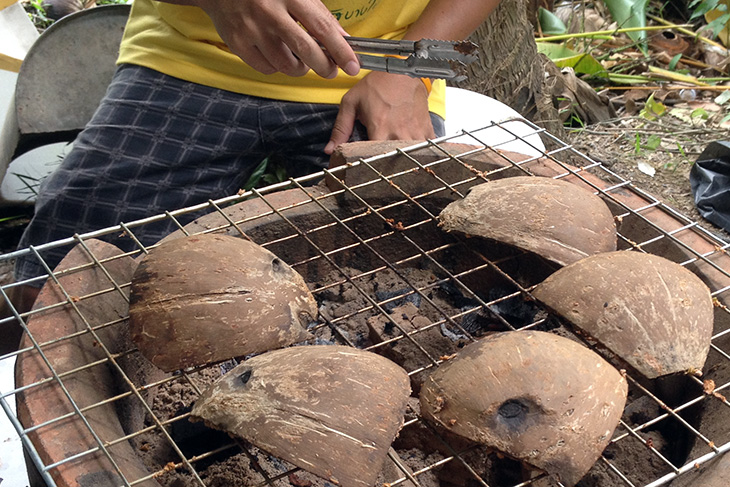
[[366, 238]]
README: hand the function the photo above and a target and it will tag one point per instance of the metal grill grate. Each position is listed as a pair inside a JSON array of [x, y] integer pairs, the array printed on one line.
[[367, 244]]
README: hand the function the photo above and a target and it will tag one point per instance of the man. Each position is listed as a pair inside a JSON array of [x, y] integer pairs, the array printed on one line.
[[206, 89]]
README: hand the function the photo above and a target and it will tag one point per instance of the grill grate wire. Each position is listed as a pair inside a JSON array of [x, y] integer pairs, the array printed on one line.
[[397, 247]]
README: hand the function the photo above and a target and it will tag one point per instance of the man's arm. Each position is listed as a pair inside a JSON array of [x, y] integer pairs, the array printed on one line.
[[449, 20], [268, 35], [396, 106]]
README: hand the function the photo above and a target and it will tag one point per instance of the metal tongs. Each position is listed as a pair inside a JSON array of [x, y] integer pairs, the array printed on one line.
[[426, 58]]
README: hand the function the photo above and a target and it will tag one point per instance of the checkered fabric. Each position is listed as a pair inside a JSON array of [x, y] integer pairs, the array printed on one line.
[[158, 143]]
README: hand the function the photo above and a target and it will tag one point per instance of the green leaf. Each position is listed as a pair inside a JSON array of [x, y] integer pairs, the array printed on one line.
[[10, 218], [699, 113], [628, 79], [717, 18], [674, 61], [256, 175], [280, 174], [652, 109], [564, 57], [630, 13], [653, 142], [722, 98], [681, 150], [718, 24], [550, 23], [702, 8]]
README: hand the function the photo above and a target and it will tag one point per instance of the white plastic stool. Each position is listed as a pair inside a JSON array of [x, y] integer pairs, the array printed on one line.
[[476, 113]]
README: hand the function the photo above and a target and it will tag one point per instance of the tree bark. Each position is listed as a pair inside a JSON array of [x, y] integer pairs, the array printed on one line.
[[511, 70]]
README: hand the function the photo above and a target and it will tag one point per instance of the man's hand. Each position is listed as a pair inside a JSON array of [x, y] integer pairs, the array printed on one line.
[[390, 106], [395, 106], [268, 35]]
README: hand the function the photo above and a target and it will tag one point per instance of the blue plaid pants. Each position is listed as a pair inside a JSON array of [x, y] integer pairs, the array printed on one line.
[[157, 143]]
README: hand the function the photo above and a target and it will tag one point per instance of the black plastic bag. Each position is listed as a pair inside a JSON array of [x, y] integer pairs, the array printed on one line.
[[710, 181]]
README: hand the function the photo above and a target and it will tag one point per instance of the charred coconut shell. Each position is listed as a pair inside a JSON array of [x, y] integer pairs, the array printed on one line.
[[535, 396], [331, 410], [654, 314], [207, 298], [552, 218]]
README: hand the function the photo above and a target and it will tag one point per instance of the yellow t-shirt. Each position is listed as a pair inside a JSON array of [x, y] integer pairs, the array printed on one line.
[[182, 42]]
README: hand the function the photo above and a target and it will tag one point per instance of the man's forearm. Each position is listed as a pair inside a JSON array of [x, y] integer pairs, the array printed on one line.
[[451, 20]]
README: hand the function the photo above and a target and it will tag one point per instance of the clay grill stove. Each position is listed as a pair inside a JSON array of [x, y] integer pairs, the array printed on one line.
[[85, 407]]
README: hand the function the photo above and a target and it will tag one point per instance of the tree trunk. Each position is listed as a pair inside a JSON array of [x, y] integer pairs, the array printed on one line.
[[511, 70]]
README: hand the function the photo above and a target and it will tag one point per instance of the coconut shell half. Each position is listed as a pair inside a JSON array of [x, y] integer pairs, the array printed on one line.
[[552, 218], [535, 396], [207, 298], [654, 314], [331, 410]]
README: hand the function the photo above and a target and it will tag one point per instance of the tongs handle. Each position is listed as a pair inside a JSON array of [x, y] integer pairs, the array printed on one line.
[[382, 46], [412, 66]]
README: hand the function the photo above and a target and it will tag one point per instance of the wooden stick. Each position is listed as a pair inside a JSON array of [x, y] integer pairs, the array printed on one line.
[[669, 87]]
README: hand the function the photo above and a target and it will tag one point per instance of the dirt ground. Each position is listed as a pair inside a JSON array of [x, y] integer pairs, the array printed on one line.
[[614, 145]]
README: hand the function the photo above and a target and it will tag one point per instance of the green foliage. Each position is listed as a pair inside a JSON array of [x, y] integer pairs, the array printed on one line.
[[630, 13], [700, 8], [681, 150], [653, 142], [573, 122], [723, 97], [550, 24], [673, 63], [6, 219], [37, 14], [267, 172], [563, 57], [653, 109], [699, 113]]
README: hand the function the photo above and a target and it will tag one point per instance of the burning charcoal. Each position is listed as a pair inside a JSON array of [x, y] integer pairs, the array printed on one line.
[[331, 410], [478, 322], [454, 336], [552, 218], [654, 314], [207, 298], [414, 298], [455, 295], [516, 310], [228, 365], [535, 396]]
